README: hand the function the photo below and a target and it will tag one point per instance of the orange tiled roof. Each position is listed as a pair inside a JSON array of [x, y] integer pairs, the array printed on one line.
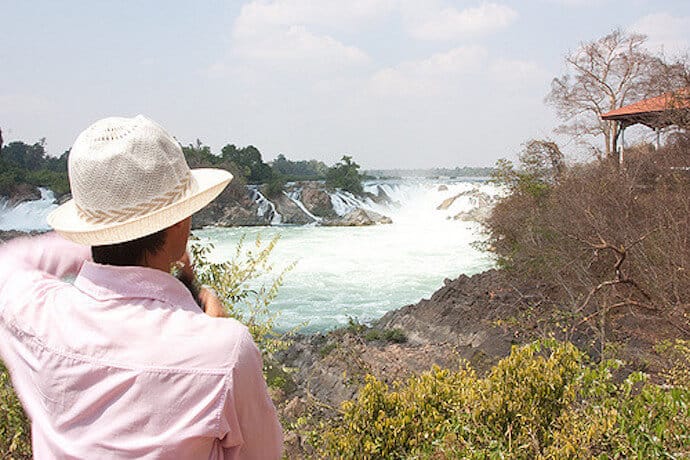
[[668, 101]]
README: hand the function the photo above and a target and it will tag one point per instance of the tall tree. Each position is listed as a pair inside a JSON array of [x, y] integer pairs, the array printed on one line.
[[604, 75], [345, 175]]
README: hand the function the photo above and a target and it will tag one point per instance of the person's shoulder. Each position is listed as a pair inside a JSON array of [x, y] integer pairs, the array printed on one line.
[[228, 342]]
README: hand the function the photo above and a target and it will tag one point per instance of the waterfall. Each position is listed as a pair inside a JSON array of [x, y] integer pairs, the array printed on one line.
[[28, 215], [345, 202], [266, 208], [295, 196]]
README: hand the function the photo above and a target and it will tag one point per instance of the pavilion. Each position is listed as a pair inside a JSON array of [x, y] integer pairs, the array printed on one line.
[[656, 113]]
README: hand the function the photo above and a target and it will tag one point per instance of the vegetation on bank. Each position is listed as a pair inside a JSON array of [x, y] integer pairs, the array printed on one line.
[[544, 401]]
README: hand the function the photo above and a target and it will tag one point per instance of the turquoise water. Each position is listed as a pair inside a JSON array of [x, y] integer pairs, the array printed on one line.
[[363, 272]]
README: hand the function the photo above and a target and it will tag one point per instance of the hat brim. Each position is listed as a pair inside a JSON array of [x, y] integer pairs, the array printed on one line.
[[206, 184]]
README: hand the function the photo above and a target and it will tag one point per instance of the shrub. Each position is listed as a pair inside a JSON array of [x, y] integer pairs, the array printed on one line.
[[388, 335], [601, 237], [246, 287], [543, 401], [15, 428]]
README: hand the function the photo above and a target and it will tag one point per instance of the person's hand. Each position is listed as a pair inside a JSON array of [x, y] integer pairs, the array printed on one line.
[[185, 266], [211, 303]]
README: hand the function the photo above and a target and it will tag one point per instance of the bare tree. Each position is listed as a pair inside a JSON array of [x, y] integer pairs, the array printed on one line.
[[604, 75]]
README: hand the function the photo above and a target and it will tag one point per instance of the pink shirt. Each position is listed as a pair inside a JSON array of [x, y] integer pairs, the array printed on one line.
[[123, 364]]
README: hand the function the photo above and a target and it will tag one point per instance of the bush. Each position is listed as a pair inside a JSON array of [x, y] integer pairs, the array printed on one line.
[[15, 428], [543, 401], [246, 287], [601, 237]]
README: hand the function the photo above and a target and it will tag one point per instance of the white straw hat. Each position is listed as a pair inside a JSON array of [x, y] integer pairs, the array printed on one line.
[[129, 179]]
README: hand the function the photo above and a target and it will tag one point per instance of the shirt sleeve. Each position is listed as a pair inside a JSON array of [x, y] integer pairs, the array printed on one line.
[[253, 429], [48, 254]]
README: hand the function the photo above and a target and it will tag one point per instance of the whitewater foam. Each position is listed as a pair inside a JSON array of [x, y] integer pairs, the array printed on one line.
[[28, 215]]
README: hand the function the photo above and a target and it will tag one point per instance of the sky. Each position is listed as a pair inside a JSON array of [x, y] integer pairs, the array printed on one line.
[[394, 83]]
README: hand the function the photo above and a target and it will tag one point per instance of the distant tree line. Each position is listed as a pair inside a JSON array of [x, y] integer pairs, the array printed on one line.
[[22, 163], [457, 172]]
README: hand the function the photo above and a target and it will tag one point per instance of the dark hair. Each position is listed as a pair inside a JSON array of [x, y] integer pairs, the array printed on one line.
[[130, 252]]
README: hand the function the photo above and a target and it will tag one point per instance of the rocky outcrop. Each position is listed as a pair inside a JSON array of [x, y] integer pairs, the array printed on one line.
[[302, 203], [464, 313], [233, 208], [473, 215], [316, 199], [290, 211], [358, 218], [381, 197], [330, 367], [481, 206], [6, 235], [22, 192]]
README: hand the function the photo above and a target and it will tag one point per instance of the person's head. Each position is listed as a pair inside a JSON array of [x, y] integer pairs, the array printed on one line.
[[133, 193]]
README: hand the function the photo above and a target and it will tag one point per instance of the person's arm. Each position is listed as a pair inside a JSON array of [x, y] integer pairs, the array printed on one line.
[[49, 253], [250, 420]]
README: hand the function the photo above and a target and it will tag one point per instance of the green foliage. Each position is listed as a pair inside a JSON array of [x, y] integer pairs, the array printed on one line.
[[544, 401], [22, 163], [299, 170], [541, 165], [275, 186], [249, 163], [354, 326], [678, 355], [345, 175], [246, 286], [15, 428], [373, 334], [394, 335], [24, 156]]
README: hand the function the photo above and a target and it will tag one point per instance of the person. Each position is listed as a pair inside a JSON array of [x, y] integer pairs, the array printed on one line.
[[122, 362]]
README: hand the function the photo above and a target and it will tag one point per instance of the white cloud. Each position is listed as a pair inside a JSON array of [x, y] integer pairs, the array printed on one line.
[[580, 3], [449, 23], [259, 14], [429, 75], [515, 73], [666, 32], [279, 30], [297, 43]]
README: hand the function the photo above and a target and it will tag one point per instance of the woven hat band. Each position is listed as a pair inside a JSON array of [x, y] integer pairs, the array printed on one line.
[[108, 216]]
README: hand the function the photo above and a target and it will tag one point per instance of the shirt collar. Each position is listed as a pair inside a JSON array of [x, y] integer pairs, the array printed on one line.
[[108, 282]]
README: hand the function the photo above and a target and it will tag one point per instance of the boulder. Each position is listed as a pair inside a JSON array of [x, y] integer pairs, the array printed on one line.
[[358, 218], [290, 212], [230, 209], [317, 200], [6, 235], [474, 215], [447, 203], [22, 192]]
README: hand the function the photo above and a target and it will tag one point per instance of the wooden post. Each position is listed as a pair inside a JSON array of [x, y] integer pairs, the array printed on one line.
[[658, 137], [622, 156]]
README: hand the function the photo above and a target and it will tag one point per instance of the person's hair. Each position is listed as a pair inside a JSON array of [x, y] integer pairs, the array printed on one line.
[[130, 252]]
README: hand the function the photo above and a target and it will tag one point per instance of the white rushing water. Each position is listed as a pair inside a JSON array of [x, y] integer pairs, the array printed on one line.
[[341, 272], [363, 272], [28, 215]]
